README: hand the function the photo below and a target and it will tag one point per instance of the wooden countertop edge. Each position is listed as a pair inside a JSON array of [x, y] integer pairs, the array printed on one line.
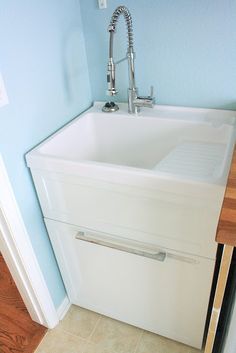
[[226, 230]]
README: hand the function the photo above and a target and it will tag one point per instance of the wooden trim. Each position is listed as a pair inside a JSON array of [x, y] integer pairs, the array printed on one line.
[[219, 295], [226, 231], [19, 255]]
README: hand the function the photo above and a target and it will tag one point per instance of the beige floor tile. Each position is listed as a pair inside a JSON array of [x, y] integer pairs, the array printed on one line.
[[79, 321], [59, 341], [111, 336], [151, 343]]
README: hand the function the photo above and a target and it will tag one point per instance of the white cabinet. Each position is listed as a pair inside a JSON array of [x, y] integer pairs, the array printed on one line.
[[154, 184], [166, 294]]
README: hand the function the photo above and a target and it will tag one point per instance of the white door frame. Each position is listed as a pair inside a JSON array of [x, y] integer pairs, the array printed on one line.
[[19, 255]]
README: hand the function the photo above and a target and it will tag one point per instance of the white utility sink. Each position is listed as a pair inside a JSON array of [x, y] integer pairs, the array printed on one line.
[[131, 204], [180, 142]]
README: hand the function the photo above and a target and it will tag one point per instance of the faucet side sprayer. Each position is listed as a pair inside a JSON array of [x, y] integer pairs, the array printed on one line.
[[134, 101]]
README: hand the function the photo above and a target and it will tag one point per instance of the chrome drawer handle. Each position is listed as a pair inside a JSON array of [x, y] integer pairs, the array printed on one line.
[[159, 256]]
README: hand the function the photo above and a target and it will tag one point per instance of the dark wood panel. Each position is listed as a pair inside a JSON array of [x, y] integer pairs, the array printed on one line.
[[18, 333], [226, 231]]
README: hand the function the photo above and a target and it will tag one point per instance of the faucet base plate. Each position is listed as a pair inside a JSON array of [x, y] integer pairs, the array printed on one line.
[[110, 107]]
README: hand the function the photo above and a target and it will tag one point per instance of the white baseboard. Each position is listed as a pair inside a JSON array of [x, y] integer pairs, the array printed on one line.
[[63, 308]]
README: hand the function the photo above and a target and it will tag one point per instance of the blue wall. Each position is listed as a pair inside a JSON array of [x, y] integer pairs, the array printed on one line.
[[185, 48], [44, 65]]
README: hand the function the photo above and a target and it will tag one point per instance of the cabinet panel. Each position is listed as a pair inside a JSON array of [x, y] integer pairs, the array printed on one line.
[[168, 297], [185, 222]]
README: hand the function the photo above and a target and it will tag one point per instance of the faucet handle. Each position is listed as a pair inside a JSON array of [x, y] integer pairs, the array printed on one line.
[[145, 101], [150, 96]]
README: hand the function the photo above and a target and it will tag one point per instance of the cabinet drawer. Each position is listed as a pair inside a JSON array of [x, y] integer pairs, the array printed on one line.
[[162, 291]]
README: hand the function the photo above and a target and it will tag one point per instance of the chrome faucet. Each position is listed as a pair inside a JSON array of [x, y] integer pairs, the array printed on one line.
[[134, 101]]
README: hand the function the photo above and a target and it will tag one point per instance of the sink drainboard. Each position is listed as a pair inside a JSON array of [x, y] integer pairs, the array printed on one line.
[[194, 159]]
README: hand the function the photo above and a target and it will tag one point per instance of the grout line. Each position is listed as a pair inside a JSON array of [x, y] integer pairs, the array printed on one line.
[[73, 335], [88, 339], [139, 340], [93, 330], [62, 331]]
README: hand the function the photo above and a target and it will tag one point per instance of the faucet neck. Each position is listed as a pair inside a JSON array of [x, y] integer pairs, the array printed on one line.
[[130, 58], [132, 91]]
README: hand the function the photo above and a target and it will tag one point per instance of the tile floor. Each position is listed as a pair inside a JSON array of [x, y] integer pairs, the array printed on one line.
[[83, 331]]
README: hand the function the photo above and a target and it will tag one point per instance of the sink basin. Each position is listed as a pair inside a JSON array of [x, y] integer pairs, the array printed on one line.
[[183, 142], [158, 177]]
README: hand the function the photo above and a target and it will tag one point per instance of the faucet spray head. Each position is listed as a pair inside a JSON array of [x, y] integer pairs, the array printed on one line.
[[111, 78]]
